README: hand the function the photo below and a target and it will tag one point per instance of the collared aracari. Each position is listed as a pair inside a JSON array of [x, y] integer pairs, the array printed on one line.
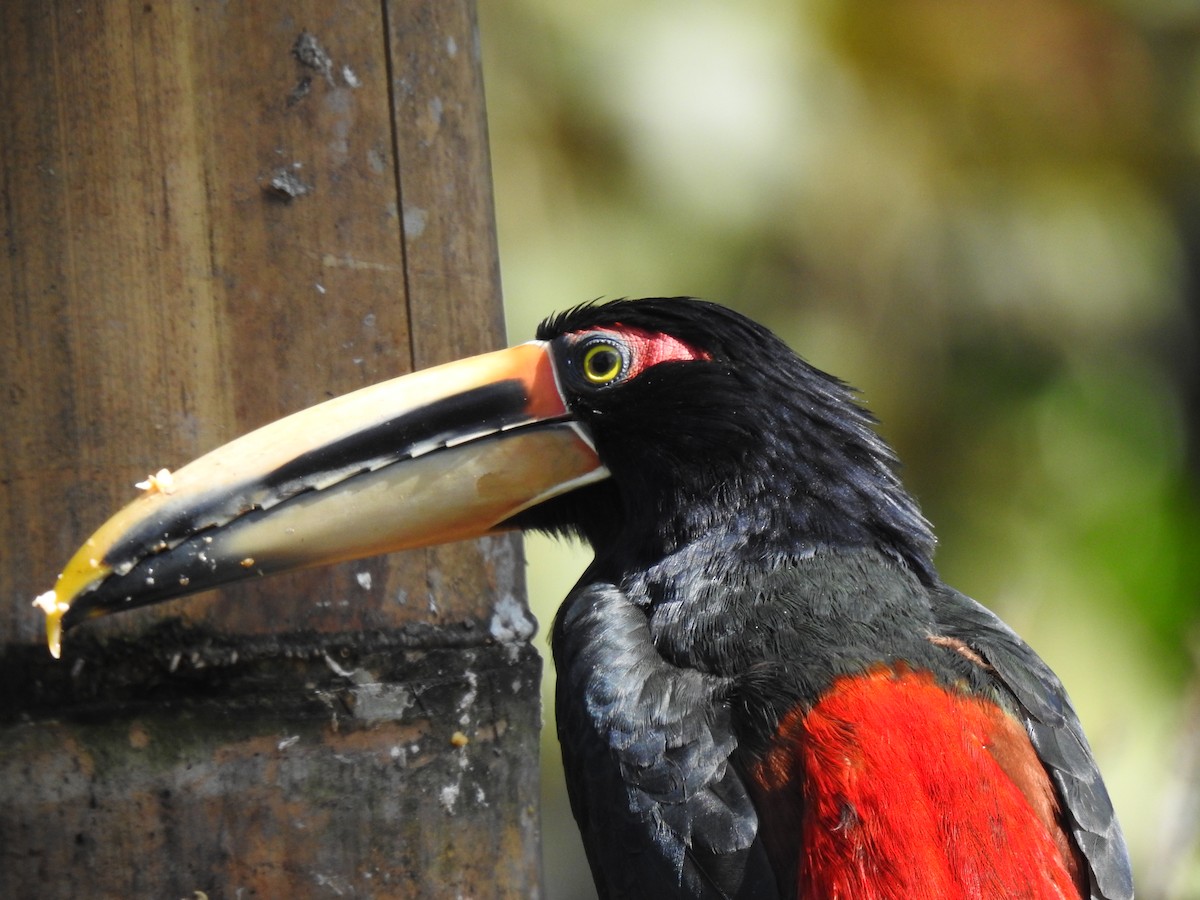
[[764, 687]]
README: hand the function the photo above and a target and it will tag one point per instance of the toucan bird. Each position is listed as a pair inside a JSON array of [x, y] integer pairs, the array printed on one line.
[[764, 687]]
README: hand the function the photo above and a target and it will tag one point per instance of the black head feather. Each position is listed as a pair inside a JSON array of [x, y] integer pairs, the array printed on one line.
[[752, 447]]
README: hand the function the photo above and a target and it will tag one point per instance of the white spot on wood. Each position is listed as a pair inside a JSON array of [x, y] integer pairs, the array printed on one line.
[[511, 621], [287, 185], [338, 884], [377, 160], [349, 262], [375, 701], [414, 221], [335, 668], [449, 797]]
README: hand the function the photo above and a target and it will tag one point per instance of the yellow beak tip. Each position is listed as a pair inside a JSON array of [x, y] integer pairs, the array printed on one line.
[[54, 609]]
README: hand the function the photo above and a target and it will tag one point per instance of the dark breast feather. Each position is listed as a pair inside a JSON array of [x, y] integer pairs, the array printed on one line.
[[646, 748]]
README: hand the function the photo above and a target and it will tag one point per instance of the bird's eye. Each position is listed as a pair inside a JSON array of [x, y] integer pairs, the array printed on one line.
[[603, 363]]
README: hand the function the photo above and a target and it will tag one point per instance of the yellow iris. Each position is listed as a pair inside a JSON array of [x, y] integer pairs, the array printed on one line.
[[602, 363]]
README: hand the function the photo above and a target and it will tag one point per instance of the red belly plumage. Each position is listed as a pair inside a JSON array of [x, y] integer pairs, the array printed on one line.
[[893, 787]]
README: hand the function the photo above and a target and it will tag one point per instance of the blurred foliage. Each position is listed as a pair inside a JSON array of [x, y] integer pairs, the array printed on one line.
[[986, 216]]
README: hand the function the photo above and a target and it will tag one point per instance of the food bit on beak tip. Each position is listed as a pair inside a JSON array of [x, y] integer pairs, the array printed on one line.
[[161, 482]]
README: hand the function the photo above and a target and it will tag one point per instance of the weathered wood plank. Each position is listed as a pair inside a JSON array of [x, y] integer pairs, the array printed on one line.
[[213, 215]]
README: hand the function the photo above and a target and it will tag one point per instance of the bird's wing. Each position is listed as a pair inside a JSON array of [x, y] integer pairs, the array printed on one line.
[[646, 747], [1057, 736]]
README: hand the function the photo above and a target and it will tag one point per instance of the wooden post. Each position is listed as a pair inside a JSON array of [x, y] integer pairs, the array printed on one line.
[[212, 215]]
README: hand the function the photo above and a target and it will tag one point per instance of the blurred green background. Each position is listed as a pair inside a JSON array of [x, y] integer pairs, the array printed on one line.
[[986, 217]]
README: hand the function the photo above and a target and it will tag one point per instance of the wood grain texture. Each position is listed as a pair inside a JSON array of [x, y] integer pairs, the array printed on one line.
[[213, 215]]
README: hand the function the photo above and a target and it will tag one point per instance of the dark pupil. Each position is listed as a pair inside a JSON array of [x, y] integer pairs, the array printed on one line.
[[604, 362]]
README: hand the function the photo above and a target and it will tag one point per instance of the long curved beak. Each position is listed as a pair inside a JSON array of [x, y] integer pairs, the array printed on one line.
[[444, 454]]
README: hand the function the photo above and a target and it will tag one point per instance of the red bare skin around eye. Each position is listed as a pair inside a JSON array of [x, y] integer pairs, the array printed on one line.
[[649, 348]]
